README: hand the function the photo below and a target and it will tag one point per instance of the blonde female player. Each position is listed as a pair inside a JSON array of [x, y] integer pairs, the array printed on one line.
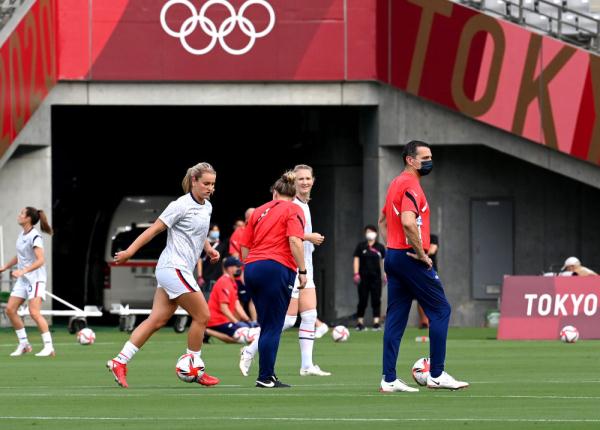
[[305, 300], [31, 280], [187, 220]]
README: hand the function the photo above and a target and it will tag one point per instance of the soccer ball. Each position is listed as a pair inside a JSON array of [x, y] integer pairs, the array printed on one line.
[[253, 334], [242, 335], [420, 371], [86, 336], [189, 369], [340, 333], [569, 334]]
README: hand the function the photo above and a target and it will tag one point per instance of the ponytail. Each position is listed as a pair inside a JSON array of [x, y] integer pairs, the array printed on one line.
[[38, 215], [44, 222], [195, 172]]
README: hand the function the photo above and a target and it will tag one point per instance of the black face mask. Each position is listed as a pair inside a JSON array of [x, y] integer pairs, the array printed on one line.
[[237, 272], [426, 167]]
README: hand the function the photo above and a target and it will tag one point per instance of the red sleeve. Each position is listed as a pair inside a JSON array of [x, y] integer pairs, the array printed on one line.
[[295, 222], [409, 201], [248, 235]]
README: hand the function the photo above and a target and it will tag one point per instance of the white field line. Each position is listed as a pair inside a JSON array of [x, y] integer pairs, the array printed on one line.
[[119, 393], [303, 419]]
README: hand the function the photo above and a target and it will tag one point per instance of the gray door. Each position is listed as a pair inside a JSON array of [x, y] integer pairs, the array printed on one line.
[[491, 246]]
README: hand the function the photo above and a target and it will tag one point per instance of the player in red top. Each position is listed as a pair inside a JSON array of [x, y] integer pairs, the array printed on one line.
[[272, 250], [405, 219]]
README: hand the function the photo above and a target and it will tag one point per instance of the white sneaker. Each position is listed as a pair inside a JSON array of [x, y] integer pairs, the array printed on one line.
[[47, 351], [314, 370], [245, 361], [397, 385], [445, 381], [321, 330], [23, 348]]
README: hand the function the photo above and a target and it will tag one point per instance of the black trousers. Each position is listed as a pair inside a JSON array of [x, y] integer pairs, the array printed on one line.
[[369, 287]]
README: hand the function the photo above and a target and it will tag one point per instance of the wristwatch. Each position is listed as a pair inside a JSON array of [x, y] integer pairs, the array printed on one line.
[[302, 272]]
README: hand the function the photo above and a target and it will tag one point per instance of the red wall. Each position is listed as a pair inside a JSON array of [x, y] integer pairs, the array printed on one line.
[[27, 70], [488, 69]]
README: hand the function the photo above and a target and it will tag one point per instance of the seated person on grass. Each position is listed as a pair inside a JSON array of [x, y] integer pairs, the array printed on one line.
[[226, 313]]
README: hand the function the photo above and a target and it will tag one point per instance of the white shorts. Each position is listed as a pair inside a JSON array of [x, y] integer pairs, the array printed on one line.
[[310, 283], [27, 290], [176, 282]]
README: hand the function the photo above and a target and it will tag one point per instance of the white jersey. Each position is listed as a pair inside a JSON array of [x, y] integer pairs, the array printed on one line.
[[308, 246], [188, 222], [26, 255]]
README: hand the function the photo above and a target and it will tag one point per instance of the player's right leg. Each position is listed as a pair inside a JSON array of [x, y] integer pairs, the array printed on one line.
[[271, 284], [162, 309], [16, 299], [399, 302]]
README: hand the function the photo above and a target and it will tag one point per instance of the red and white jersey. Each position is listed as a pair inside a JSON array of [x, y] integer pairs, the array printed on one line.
[[405, 194], [308, 246], [269, 229], [26, 242]]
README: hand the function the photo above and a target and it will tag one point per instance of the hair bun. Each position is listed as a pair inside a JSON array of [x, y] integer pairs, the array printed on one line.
[[289, 177]]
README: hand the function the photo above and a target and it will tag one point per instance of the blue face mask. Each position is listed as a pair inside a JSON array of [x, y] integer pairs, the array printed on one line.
[[426, 167], [214, 235]]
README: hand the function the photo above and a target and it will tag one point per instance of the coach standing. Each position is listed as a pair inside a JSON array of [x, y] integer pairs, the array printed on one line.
[[273, 252], [405, 220]]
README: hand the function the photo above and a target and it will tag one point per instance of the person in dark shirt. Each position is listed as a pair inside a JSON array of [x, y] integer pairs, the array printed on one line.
[[368, 269], [209, 273]]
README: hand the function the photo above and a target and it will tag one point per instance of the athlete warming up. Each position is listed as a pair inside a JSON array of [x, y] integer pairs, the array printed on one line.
[[31, 280], [187, 220]]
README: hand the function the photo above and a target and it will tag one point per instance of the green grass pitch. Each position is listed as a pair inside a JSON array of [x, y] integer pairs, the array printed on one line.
[[515, 385]]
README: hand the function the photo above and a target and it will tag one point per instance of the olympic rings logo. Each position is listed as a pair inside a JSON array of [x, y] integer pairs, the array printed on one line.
[[217, 34]]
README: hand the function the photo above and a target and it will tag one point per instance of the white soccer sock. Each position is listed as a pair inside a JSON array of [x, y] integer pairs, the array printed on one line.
[[195, 353], [127, 353], [306, 337], [22, 336], [290, 321], [47, 339], [252, 349]]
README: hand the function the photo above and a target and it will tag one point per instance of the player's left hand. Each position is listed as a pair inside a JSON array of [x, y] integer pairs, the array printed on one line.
[[316, 238], [302, 280]]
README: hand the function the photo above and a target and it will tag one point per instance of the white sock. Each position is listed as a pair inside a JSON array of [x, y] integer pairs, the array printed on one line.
[[306, 336], [47, 339], [290, 321], [252, 349], [22, 336], [127, 353], [194, 353]]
